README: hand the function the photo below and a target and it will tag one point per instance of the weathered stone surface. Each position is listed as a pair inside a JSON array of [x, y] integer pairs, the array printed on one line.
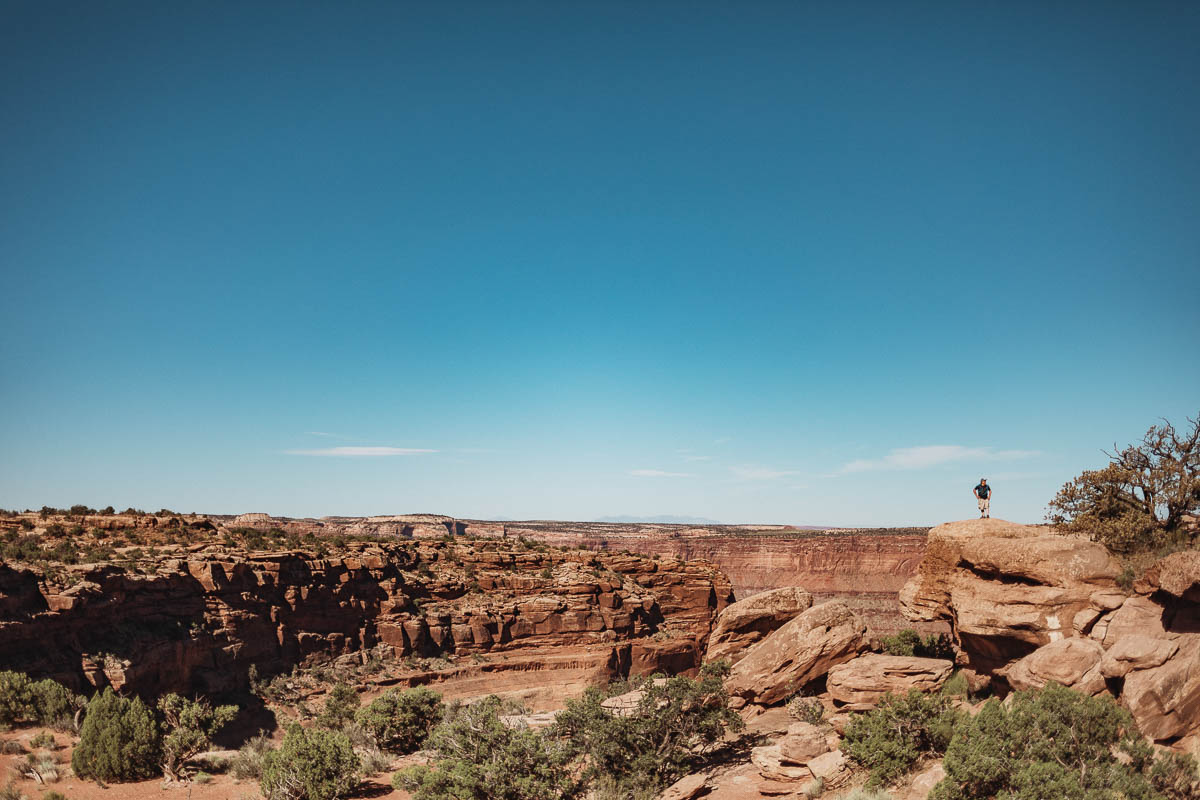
[[859, 683], [1073, 662], [924, 781], [803, 743], [798, 653], [1048, 560], [686, 787], [196, 622], [746, 622], [769, 761], [1178, 575], [1008, 589], [830, 767], [1165, 700], [1137, 616], [1136, 652]]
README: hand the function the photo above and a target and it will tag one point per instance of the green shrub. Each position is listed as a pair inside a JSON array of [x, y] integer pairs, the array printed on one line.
[[909, 643], [119, 740], [55, 705], [478, 757], [188, 727], [674, 725], [901, 729], [16, 698], [340, 706], [310, 765], [1058, 743], [400, 720], [44, 741], [248, 763], [957, 685], [45, 702], [806, 709]]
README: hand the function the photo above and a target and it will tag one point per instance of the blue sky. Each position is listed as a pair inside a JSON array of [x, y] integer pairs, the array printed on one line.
[[817, 263]]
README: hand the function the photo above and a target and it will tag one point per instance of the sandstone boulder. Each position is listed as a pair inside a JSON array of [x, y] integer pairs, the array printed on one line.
[[798, 653], [859, 683], [803, 742], [1136, 652], [1178, 575], [748, 621], [1137, 616], [924, 781], [1008, 589], [686, 787], [831, 768], [1165, 700], [1073, 662], [769, 761]]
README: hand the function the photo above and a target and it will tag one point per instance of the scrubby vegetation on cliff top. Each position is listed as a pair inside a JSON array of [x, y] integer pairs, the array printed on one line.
[[1143, 498]]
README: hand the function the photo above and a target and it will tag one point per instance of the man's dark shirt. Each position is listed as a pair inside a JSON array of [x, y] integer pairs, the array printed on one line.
[[983, 491]]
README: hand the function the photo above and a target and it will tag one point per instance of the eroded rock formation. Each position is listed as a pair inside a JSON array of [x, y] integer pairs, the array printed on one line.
[[1027, 606], [196, 620]]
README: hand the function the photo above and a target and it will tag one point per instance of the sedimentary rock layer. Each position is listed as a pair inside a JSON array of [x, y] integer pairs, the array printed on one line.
[[197, 619]]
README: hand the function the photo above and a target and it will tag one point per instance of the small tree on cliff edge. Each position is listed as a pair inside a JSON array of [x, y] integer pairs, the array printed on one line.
[[1140, 499]]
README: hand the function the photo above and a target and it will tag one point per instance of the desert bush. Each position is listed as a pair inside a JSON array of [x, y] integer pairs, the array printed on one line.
[[44, 741], [901, 729], [1138, 501], [340, 706], [119, 741], [11, 792], [46, 702], [188, 728], [373, 761], [400, 720], [1058, 743], [806, 709], [310, 765], [957, 685], [248, 763], [675, 724], [478, 757], [909, 643], [863, 793]]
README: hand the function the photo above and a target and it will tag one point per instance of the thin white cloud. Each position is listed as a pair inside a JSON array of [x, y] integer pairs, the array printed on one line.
[[697, 458], [933, 455], [658, 473], [360, 452], [752, 473]]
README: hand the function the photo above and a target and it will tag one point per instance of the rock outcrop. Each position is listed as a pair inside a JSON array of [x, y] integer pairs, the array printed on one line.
[[864, 568], [748, 621], [196, 620], [800, 652], [857, 685], [1029, 606]]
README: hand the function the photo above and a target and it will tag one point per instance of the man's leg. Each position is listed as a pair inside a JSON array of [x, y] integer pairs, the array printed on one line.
[[987, 508]]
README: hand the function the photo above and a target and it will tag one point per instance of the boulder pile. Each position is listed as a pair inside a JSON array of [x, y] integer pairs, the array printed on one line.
[[1027, 607]]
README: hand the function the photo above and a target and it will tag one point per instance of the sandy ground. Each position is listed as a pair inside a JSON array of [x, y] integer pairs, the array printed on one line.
[[221, 787]]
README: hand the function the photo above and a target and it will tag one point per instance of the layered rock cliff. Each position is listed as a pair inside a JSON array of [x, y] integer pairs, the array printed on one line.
[[195, 619], [864, 568], [1026, 607]]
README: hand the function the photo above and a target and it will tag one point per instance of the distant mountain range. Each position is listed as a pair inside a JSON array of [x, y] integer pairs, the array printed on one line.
[[664, 519]]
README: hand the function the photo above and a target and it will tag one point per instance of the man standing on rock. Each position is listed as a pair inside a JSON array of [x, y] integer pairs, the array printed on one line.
[[983, 493]]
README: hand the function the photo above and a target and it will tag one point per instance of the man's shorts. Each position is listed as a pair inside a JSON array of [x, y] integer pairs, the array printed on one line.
[[983, 505]]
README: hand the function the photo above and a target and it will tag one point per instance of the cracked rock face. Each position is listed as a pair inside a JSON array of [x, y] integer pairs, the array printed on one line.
[[798, 653], [197, 621], [1030, 607]]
